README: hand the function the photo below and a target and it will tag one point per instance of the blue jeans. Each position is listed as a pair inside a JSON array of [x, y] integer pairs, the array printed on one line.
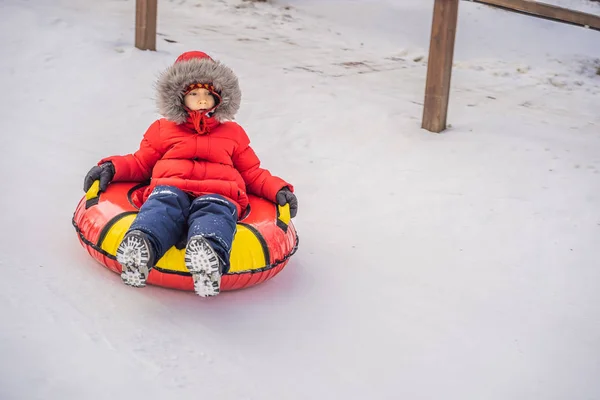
[[169, 211]]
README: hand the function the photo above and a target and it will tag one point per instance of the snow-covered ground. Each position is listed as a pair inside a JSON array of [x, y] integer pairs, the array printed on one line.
[[454, 266]]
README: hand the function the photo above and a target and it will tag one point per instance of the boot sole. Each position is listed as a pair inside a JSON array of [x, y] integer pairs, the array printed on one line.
[[203, 263], [134, 255]]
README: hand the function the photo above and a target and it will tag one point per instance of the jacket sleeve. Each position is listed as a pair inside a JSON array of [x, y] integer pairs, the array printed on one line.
[[259, 181], [137, 167]]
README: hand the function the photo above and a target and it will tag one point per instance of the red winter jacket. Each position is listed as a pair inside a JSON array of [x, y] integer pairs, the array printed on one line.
[[219, 162]]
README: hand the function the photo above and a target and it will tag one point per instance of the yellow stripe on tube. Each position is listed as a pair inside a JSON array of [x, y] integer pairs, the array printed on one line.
[[92, 195], [284, 214], [115, 234], [92, 192], [247, 251], [173, 260]]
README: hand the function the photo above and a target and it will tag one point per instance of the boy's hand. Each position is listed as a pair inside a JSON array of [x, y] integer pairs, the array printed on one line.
[[104, 172], [285, 196]]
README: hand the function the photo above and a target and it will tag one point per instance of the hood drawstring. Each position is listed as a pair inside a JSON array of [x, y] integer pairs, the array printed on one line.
[[199, 120]]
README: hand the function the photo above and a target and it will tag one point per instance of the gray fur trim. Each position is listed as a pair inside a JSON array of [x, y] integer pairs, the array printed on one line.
[[175, 79]]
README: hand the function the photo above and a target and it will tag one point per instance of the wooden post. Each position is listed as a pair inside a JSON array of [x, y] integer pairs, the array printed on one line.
[[439, 67], [145, 24]]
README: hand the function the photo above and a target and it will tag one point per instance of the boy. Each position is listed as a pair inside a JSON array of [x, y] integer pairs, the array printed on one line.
[[201, 168]]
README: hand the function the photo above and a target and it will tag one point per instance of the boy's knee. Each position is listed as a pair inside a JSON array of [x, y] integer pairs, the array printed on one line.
[[215, 199], [171, 197], [163, 191]]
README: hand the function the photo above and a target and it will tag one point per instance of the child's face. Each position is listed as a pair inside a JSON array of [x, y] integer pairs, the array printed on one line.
[[199, 99]]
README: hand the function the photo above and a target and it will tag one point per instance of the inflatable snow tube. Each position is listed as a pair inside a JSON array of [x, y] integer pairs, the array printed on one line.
[[264, 241]]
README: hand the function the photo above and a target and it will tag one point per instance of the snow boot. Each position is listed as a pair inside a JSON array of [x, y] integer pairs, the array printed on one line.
[[136, 257], [204, 265]]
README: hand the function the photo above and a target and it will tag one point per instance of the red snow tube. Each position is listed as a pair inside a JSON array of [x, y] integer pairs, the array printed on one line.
[[264, 241]]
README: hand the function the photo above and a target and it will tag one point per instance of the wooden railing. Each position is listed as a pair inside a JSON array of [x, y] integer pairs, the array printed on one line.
[[547, 11], [441, 48]]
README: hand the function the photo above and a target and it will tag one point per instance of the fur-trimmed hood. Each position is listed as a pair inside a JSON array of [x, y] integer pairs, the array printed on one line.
[[197, 67]]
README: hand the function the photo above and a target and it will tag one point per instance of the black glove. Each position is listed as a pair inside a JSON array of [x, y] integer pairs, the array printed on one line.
[[104, 172], [285, 196]]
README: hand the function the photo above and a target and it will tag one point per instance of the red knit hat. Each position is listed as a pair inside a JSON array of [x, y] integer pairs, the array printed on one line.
[[192, 54], [207, 86]]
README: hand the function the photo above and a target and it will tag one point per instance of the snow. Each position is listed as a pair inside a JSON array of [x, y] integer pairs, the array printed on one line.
[[457, 266]]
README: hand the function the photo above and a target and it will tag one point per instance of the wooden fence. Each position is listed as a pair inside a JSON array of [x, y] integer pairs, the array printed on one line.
[[441, 48], [547, 11]]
